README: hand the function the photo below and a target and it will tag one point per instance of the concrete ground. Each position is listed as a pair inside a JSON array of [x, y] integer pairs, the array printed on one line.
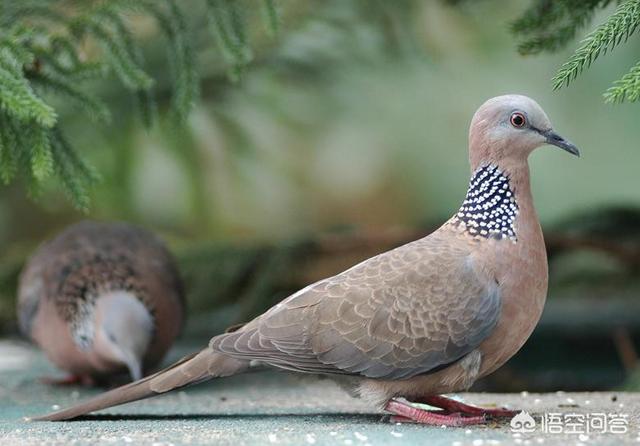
[[281, 409]]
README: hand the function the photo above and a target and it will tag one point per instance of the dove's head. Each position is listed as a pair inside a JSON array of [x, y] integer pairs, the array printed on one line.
[[124, 331], [506, 129]]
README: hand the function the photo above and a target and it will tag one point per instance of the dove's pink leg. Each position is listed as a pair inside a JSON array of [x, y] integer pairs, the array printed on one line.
[[450, 405], [405, 413]]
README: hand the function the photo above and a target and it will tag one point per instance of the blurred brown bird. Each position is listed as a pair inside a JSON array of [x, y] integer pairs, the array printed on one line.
[[101, 298], [427, 318]]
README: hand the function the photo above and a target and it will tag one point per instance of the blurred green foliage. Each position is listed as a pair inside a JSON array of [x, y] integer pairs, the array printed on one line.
[[57, 47], [353, 115], [550, 25], [54, 51]]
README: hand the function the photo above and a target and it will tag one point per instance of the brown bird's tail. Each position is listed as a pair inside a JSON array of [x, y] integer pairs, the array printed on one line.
[[192, 369]]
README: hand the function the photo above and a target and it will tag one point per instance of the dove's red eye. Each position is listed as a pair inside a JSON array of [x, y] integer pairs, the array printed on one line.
[[518, 120]]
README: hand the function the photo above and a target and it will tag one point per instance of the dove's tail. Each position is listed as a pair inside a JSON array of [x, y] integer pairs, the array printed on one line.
[[192, 369]]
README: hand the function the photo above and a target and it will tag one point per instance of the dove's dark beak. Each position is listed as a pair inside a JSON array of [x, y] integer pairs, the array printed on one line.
[[556, 140]]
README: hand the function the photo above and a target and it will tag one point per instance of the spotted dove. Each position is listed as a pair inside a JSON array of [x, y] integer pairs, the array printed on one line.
[[101, 298], [426, 318]]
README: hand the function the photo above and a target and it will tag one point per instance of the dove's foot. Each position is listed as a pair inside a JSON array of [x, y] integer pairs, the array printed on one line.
[[453, 406], [69, 380], [406, 413]]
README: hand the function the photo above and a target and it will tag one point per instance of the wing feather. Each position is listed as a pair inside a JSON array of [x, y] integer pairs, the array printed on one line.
[[406, 312]]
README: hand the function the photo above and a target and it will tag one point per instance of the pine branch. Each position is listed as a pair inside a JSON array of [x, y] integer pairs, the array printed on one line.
[[627, 88], [18, 98], [20, 143], [76, 176], [144, 96], [271, 16], [225, 20], [41, 157], [8, 160], [539, 17], [13, 49], [618, 27], [548, 25], [50, 82], [180, 56], [42, 54], [18, 12], [120, 60], [183, 66]]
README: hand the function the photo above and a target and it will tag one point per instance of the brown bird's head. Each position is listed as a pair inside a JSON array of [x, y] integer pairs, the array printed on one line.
[[506, 129]]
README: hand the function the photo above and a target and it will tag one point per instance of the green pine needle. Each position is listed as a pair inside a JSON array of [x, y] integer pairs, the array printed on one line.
[[41, 158]]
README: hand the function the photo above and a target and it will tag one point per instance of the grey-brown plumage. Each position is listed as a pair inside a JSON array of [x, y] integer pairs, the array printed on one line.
[[426, 318], [367, 321], [101, 298]]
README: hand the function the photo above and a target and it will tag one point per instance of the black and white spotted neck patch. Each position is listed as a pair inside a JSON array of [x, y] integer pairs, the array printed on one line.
[[489, 209]]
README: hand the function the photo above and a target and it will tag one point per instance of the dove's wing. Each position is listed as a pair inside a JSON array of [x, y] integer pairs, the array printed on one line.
[[409, 311]]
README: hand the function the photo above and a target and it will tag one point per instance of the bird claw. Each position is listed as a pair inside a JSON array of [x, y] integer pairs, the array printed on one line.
[[406, 413], [451, 405], [501, 412], [399, 419]]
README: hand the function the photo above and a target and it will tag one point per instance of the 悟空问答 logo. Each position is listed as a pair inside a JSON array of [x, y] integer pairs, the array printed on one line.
[[523, 423]]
